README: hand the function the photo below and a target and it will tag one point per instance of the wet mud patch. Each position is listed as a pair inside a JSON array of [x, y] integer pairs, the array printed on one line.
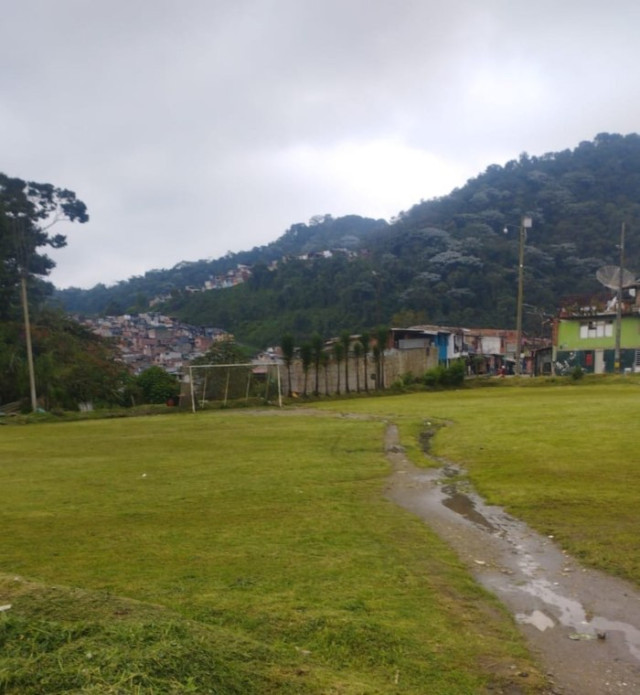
[[584, 625], [462, 504], [426, 436]]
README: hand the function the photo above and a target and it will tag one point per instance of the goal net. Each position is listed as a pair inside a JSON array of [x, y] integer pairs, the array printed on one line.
[[224, 384]]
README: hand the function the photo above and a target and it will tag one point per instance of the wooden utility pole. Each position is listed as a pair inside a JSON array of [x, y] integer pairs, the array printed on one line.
[[617, 366], [22, 255], [27, 333], [524, 225]]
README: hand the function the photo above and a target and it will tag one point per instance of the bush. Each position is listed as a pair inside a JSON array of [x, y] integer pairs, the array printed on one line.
[[407, 379], [456, 373], [445, 377], [577, 373], [434, 377], [157, 385]]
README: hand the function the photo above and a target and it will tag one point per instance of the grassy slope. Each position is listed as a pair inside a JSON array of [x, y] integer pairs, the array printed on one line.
[[564, 459], [256, 555]]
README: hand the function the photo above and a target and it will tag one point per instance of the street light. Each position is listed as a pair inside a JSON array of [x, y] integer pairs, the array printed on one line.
[[525, 224]]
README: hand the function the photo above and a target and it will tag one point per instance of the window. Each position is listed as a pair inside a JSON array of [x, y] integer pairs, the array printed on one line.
[[596, 329]]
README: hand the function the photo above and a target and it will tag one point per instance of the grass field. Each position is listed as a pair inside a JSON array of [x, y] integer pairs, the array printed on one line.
[[233, 553], [566, 459]]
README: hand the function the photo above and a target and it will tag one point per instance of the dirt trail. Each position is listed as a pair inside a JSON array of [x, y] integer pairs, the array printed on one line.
[[583, 624]]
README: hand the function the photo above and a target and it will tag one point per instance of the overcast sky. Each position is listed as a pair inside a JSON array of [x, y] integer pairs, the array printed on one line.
[[195, 127]]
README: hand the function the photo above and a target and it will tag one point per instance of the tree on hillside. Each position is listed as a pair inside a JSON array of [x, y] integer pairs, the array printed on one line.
[[72, 364], [445, 260]]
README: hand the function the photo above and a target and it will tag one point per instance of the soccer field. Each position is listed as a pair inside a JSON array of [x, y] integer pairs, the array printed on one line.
[[231, 553]]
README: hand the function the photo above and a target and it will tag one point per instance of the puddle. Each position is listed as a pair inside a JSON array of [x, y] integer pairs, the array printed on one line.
[[585, 625], [463, 505]]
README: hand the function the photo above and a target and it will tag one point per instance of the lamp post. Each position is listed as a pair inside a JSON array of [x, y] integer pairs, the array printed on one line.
[[525, 224]]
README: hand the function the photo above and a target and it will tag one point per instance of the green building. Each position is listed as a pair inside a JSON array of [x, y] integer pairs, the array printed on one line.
[[589, 341]]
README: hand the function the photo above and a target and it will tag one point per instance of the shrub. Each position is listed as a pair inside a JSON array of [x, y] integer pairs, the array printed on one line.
[[445, 377], [157, 385], [433, 378], [456, 373]]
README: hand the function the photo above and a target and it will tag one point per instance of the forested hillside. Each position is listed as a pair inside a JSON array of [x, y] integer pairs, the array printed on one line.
[[446, 260]]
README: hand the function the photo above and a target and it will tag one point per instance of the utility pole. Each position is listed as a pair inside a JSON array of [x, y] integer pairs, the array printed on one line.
[[27, 333], [617, 367], [22, 257], [524, 225]]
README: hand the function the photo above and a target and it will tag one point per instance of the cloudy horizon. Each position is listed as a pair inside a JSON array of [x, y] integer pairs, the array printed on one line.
[[191, 129]]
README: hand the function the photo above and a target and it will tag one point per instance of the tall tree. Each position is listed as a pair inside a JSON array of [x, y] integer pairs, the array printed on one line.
[[317, 345], [325, 360], [365, 341], [376, 359], [306, 357], [345, 339], [287, 345], [357, 354], [382, 335], [28, 210], [338, 353]]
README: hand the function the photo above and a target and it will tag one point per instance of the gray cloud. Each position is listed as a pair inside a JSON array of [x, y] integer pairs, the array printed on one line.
[[191, 128]]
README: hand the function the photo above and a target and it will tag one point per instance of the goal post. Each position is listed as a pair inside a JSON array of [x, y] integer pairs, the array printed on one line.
[[222, 383]]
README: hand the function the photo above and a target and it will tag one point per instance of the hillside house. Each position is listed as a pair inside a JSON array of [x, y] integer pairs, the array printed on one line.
[[448, 342], [586, 338], [491, 349], [485, 350]]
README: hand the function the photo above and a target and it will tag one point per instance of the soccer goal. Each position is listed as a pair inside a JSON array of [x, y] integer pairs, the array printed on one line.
[[225, 383]]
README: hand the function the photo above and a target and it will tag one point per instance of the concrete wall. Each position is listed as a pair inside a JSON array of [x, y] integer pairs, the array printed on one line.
[[396, 364]]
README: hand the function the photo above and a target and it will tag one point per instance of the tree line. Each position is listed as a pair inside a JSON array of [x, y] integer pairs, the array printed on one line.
[[316, 354], [445, 261], [451, 260]]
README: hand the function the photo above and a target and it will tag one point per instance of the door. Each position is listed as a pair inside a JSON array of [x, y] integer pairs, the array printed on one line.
[[598, 367]]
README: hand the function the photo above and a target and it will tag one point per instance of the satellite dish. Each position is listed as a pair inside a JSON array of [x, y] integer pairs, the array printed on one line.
[[609, 276]]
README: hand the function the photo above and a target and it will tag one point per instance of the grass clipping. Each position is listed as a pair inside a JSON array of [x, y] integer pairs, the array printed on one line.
[[91, 642]]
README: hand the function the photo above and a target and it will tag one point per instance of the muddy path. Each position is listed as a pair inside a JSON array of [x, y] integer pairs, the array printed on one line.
[[583, 625]]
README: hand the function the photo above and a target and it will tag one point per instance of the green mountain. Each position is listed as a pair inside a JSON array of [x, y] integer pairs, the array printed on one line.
[[446, 260]]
